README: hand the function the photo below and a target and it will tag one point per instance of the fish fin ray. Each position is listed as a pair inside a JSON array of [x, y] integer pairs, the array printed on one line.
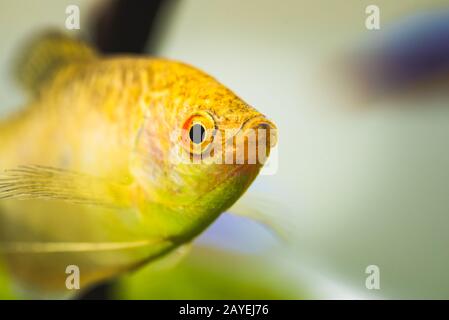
[[67, 247], [47, 183], [264, 211], [172, 258]]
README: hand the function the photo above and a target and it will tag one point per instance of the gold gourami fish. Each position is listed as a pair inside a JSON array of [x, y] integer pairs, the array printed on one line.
[[88, 176]]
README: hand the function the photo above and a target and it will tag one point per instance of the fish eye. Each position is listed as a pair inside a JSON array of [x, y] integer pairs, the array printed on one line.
[[197, 133]]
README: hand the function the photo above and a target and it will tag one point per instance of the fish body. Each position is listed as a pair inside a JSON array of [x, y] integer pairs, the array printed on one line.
[[89, 176]]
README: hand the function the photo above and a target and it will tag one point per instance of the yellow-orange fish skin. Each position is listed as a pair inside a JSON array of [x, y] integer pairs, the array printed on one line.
[[113, 118]]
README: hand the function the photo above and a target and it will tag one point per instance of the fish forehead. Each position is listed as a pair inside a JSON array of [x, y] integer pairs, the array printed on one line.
[[173, 89], [190, 89]]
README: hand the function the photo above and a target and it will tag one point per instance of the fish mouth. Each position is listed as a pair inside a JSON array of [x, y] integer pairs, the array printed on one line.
[[251, 143], [261, 124]]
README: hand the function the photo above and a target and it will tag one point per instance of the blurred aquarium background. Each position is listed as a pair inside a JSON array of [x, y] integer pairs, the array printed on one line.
[[363, 118]]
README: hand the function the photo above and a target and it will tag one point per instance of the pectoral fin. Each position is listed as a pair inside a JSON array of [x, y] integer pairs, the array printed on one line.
[[172, 258], [264, 211], [47, 183]]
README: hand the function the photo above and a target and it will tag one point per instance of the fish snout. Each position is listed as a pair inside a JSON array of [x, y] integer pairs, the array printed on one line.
[[265, 130]]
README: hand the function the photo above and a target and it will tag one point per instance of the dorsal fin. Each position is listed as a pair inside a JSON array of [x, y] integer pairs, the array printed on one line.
[[46, 54]]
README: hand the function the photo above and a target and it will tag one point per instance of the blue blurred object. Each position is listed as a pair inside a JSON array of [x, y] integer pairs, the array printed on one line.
[[238, 234], [407, 53]]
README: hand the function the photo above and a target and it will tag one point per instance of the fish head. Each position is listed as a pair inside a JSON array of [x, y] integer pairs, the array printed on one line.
[[203, 147]]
